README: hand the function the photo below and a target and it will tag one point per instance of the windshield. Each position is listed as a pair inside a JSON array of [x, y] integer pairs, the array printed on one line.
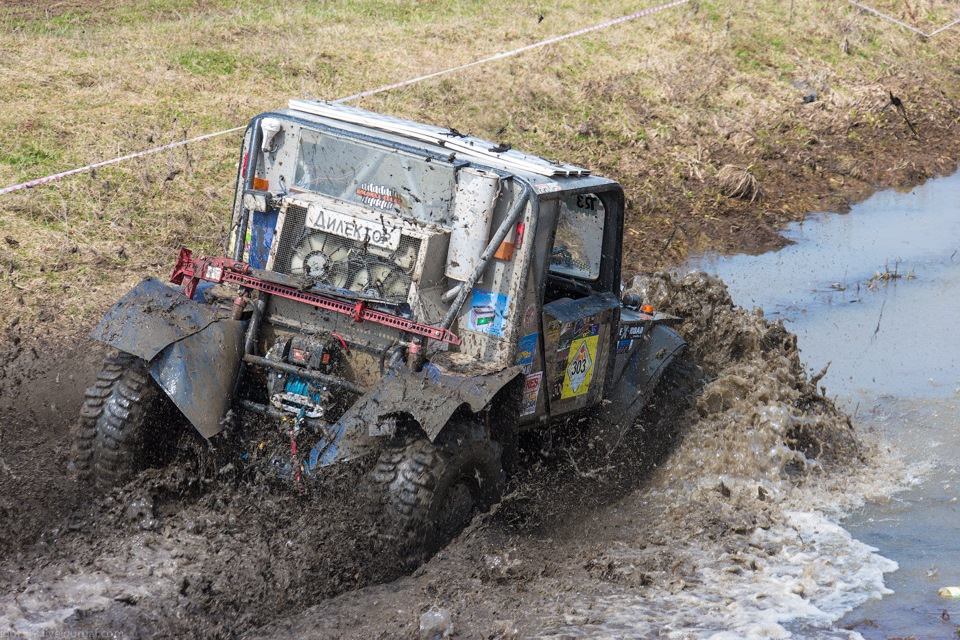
[[379, 178], [578, 245]]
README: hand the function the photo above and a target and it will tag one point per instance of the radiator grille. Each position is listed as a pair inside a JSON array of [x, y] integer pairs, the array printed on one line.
[[345, 263]]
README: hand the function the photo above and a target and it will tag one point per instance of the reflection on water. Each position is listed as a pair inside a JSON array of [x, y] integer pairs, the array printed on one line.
[[876, 294]]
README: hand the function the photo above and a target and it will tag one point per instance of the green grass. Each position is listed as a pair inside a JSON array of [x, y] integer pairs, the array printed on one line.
[[30, 154], [207, 63]]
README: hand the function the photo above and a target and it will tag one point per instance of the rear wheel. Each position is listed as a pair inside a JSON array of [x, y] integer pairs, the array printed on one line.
[[674, 396], [123, 426], [429, 492], [623, 449]]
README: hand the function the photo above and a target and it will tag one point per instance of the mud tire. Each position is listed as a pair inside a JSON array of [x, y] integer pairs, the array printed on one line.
[[631, 447], [427, 493], [675, 395], [120, 431]]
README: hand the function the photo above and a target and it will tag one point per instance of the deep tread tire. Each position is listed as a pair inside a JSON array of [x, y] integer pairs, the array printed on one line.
[[675, 395], [119, 434], [427, 493]]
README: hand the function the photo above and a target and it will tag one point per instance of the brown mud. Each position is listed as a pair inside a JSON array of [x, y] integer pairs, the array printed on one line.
[[198, 549]]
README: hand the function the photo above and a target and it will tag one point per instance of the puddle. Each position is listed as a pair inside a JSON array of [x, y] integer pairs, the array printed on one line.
[[875, 294]]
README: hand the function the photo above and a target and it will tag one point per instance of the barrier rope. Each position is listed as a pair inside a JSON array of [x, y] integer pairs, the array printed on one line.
[[507, 54], [364, 94], [97, 165], [904, 24]]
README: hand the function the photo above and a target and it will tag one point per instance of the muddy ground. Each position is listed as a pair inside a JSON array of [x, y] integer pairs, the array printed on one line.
[[192, 551], [198, 550]]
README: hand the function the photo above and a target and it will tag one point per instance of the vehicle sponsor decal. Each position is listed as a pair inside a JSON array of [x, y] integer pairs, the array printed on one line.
[[623, 346], [526, 348], [553, 331], [376, 195], [631, 332], [487, 311], [586, 328], [377, 233], [531, 392], [579, 372]]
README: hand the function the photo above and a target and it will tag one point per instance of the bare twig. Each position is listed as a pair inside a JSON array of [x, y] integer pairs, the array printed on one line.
[[912, 13], [877, 330], [897, 104], [669, 241]]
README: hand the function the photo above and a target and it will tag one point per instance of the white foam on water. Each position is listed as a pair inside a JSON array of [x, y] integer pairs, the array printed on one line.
[[794, 579]]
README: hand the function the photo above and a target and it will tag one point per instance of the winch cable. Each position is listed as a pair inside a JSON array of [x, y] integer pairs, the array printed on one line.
[[500, 56]]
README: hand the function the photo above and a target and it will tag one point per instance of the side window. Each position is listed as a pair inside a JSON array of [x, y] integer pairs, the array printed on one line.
[[578, 244]]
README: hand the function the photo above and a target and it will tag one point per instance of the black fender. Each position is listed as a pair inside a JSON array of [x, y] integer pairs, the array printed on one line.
[[629, 394], [429, 397], [193, 349]]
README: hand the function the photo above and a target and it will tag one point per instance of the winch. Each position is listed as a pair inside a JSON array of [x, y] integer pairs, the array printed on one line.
[[298, 395]]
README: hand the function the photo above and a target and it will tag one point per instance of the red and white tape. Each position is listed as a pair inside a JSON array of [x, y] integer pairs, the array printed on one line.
[[97, 165], [903, 24], [499, 56], [507, 54]]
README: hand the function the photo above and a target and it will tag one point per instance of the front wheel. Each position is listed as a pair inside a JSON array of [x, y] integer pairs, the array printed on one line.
[[124, 424], [429, 492]]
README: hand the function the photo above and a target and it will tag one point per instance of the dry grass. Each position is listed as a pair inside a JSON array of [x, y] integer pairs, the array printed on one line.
[[737, 182], [661, 104], [926, 15]]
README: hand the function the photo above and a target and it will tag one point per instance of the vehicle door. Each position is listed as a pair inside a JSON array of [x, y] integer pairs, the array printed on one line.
[[581, 309]]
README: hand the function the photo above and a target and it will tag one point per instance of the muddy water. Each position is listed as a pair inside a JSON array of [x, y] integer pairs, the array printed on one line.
[[876, 293]]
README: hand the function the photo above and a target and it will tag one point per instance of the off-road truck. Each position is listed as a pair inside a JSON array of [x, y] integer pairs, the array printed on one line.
[[391, 289]]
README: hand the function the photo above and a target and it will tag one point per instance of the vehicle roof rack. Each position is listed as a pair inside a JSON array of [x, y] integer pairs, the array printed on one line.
[[463, 145]]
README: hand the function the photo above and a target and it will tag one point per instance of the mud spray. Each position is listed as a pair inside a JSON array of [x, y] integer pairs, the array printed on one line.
[[718, 522]]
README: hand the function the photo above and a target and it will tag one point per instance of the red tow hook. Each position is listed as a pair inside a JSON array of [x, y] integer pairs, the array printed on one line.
[[185, 268]]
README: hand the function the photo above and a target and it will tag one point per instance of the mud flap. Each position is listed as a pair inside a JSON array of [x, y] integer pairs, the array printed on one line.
[[629, 394], [199, 373], [194, 350], [429, 397]]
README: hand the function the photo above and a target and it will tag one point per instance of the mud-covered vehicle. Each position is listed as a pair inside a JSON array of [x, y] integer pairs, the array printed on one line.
[[391, 289]]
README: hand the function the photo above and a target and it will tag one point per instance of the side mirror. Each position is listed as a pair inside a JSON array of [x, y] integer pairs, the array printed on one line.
[[270, 128]]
